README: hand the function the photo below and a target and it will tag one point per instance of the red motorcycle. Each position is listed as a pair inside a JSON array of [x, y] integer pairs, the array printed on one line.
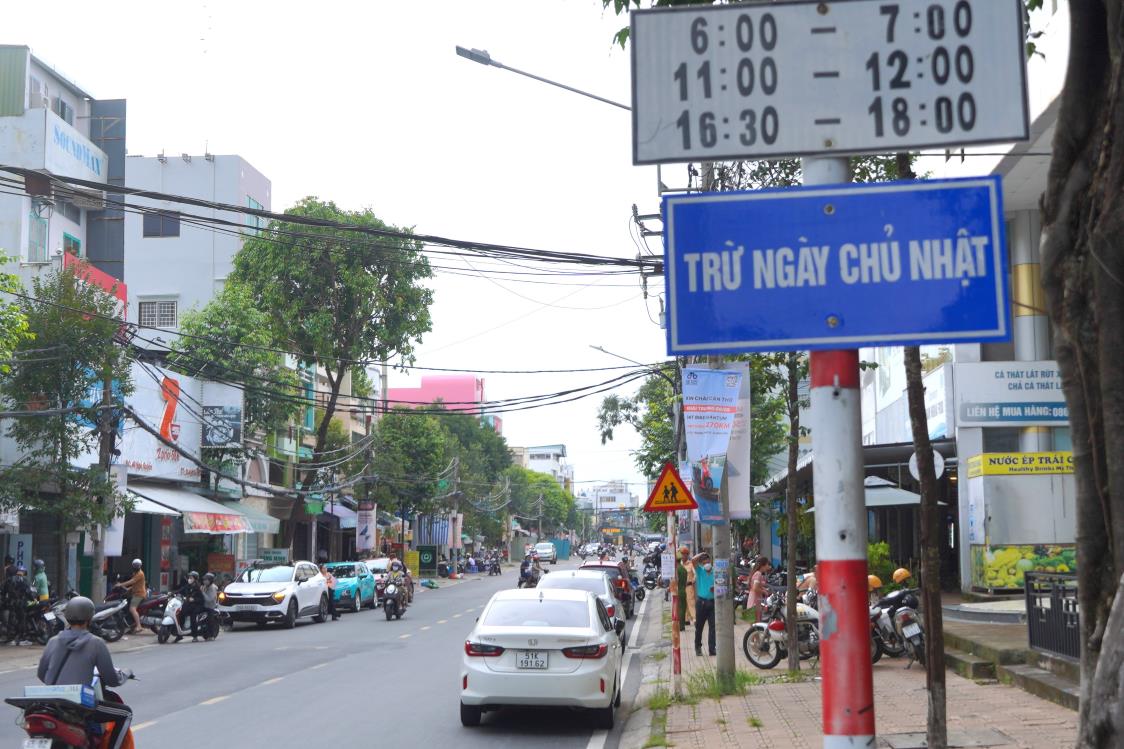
[[150, 610], [66, 716]]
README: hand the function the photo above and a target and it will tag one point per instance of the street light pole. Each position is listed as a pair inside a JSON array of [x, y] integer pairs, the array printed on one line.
[[481, 56]]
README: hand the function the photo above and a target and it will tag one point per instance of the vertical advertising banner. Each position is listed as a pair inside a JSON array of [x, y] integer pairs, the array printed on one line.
[[365, 526], [710, 406], [739, 461]]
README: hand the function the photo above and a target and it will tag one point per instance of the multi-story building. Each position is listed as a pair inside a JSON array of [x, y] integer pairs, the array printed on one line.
[[51, 125], [172, 263], [457, 392], [551, 459]]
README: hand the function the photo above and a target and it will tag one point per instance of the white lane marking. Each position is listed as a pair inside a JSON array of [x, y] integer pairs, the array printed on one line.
[[140, 726], [318, 665], [598, 739], [402, 637], [425, 628], [215, 700], [274, 680], [456, 616], [442, 621], [470, 610]]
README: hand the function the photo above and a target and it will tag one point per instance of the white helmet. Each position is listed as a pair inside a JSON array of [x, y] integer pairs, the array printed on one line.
[[136, 564]]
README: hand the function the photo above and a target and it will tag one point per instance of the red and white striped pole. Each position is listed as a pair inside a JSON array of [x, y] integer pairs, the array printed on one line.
[[848, 683], [836, 422]]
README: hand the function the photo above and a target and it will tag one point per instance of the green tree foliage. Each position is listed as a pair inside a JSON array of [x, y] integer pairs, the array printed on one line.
[[67, 350], [526, 487], [410, 450], [14, 330], [229, 340], [649, 412], [483, 459], [332, 298]]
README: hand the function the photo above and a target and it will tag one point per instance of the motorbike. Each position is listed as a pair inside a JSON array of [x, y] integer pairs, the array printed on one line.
[[34, 623], [638, 590], [624, 595], [108, 621], [493, 565], [207, 622], [651, 576], [62, 716], [900, 607], [764, 642], [529, 578], [394, 599]]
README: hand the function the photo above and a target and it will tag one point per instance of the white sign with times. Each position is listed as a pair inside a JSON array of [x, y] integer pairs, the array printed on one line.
[[796, 78]]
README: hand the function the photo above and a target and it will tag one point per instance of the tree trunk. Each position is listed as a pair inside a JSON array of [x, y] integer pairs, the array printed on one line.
[[790, 506], [1083, 276], [937, 730]]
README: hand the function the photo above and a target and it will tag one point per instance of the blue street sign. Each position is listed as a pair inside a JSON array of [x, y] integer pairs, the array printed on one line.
[[841, 266]]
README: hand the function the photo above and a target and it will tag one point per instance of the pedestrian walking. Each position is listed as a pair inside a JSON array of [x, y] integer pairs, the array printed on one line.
[[704, 606], [330, 579]]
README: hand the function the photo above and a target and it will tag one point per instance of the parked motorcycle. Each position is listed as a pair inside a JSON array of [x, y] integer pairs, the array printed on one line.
[[901, 608], [62, 716], [33, 622], [207, 622], [651, 576], [765, 643], [394, 600]]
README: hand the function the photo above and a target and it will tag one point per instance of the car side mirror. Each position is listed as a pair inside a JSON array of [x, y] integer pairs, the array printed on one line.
[[619, 626]]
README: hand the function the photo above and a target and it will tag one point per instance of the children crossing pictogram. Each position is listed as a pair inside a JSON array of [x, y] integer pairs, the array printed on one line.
[[669, 493]]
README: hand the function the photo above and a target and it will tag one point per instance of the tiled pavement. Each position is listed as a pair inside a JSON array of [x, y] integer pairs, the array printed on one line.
[[789, 714]]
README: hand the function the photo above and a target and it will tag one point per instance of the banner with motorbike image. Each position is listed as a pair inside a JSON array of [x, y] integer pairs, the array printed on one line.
[[710, 406]]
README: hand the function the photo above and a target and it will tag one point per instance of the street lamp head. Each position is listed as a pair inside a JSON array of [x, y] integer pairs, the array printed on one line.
[[476, 55]]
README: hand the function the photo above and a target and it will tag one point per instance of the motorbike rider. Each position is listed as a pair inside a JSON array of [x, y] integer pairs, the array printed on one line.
[[10, 569], [536, 569], [39, 580], [138, 589], [71, 656], [192, 593], [210, 593], [396, 574], [525, 568]]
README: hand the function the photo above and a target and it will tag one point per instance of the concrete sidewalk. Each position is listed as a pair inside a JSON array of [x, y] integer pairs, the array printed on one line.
[[779, 712], [18, 657]]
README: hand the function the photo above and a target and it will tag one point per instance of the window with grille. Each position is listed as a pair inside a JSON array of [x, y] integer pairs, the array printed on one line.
[[36, 239], [73, 245], [157, 314], [161, 224]]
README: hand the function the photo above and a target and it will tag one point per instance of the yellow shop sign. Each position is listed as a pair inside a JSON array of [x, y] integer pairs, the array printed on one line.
[[1020, 464]]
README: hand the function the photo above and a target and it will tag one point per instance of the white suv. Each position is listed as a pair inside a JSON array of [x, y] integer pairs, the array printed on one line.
[[283, 593], [547, 552]]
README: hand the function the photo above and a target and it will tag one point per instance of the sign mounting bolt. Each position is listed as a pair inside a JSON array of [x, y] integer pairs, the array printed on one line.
[[833, 321], [829, 209], [822, 9]]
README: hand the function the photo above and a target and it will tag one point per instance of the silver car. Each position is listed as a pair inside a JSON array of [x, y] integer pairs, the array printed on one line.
[[597, 583], [547, 552]]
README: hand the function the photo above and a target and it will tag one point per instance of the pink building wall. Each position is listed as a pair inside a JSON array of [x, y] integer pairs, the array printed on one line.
[[459, 392]]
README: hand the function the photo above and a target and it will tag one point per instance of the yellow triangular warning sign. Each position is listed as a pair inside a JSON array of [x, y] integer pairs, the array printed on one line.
[[670, 493]]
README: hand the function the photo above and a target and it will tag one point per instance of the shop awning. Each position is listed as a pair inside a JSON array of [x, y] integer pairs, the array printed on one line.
[[347, 516], [200, 515], [882, 493], [145, 506], [260, 521]]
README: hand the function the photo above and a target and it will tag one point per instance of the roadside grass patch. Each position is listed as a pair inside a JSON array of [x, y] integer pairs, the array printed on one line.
[[705, 684], [754, 721], [658, 655]]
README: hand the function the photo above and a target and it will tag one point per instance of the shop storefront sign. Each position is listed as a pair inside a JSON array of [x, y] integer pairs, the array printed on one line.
[[274, 556], [1016, 394], [215, 523], [1020, 464]]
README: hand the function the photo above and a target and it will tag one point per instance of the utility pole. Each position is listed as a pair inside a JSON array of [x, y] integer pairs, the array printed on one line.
[[836, 421], [723, 604], [540, 517], [456, 550], [105, 457]]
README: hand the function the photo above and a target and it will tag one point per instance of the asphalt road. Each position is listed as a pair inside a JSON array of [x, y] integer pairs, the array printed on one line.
[[359, 682]]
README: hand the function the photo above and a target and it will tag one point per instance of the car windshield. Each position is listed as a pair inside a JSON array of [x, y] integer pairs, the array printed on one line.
[[282, 574], [379, 565], [537, 612], [343, 571], [613, 572], [595, 585], [544, 547]]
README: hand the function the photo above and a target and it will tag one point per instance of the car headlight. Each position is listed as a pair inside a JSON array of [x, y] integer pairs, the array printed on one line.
[[279, 596], [222, 597]]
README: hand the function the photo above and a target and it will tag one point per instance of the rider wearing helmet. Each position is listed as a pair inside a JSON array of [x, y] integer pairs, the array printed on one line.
[[138, 589], [70, 658], [396, 573], [192, 593], [901, 574], [39, 581], [210, 592]]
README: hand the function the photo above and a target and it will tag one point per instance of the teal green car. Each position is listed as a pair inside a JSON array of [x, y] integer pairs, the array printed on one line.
[[355, 586]]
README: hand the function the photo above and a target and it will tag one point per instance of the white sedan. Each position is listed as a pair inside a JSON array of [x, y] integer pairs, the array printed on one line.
[[542, 648]]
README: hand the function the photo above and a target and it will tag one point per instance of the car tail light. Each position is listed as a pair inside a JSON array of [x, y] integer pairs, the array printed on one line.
[[482, 650], [586, 651], [776, 625], [611, 610], [464, 682], [602, 686]]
